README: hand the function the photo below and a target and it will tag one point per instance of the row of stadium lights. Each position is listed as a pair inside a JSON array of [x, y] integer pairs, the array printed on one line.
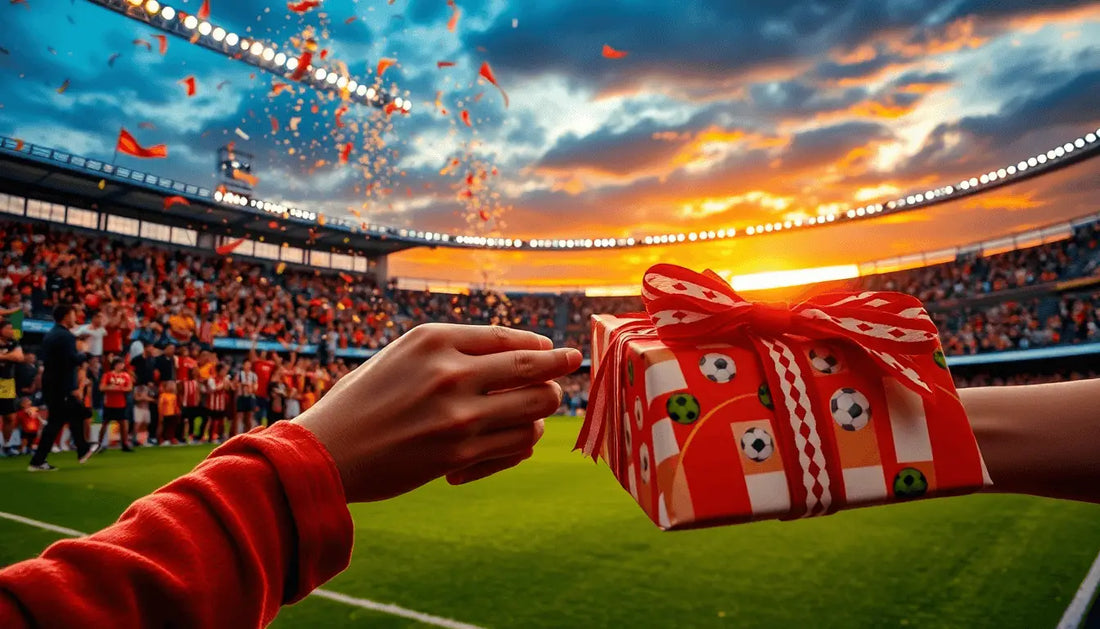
[[929, 196], [275, 61]]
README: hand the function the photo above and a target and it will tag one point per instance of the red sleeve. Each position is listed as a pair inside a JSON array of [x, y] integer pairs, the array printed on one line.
[[258, 524]]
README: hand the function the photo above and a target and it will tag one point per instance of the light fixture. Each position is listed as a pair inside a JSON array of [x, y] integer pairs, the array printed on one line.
[[205, 29], [168, 13], [190, 22]]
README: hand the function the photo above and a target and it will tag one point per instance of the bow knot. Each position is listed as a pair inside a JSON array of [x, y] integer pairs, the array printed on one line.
[[770, 318]]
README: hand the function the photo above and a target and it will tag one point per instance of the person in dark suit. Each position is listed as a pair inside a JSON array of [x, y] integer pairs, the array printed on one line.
[[61, 358]]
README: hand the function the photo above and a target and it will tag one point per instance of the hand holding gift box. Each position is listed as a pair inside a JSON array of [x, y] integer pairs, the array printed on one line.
[[711, 409]]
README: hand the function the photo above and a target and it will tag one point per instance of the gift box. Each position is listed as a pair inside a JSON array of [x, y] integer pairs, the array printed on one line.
[[711, 410]]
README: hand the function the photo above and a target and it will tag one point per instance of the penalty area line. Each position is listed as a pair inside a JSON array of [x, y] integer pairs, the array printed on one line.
[[364, 603]]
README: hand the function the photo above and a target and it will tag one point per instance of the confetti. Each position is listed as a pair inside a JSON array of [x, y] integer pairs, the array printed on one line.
[[273, 224], [111, 60], [142, 42], [486, 73], [444, 64], [350, 20], [384, 64], [163, 41], [248, 178], [278, 88], [146, 125], [611, 53], [128, 145], [484, 215], [340, 114], [229, 247], [303, 65], [19, 145], [189, 84], [204, 10], [102, 184], [390, 108], [241, 134], [280, 268], [294, 122], [221, 85], [175, 200], [345, 153], [64, 87], [466, 118], [455, 14], [304, 6], [274, 124]]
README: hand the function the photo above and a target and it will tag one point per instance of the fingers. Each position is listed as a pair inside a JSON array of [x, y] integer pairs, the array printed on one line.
[[509, 370], [487, 468], [516, 407], [479, 340], [501, 444]]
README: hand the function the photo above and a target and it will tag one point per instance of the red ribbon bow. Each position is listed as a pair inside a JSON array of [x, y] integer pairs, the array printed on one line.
[[689, 308]]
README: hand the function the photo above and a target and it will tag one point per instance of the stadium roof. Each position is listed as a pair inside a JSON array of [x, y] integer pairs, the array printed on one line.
[[59, 177]]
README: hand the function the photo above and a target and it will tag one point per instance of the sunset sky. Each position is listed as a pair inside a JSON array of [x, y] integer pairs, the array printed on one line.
[[723, 114]]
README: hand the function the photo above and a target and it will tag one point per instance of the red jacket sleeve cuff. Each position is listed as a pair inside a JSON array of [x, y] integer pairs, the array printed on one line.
[[315, 495]]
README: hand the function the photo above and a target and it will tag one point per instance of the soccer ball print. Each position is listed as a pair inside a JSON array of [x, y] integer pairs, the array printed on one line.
[[683, 408], [825, 360], [850, 409], [910, 483], [643, 463], [638, 417], [757, 444], [717, 368], [627, 433]]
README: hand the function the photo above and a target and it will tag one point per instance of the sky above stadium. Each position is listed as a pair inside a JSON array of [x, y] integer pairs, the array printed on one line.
[[721, 114]]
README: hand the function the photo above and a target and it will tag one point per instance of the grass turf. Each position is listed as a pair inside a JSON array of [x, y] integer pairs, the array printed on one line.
[[558, 543]]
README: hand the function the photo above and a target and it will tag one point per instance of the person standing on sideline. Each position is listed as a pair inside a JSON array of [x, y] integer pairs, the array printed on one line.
[[11, 354], [116, 386], [190, 398], [61, 358], [217, 402], [169, 406], [247, 383], [145, 375]]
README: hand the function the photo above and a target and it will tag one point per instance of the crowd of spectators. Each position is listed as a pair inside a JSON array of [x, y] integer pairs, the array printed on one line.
[[156, 296]]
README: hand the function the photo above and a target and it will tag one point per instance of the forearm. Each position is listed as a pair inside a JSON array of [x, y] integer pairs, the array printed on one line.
[[260, 523], [1042, 440]]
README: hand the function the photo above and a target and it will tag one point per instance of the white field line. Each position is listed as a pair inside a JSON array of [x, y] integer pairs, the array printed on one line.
[[385, 608], [1075, 613]]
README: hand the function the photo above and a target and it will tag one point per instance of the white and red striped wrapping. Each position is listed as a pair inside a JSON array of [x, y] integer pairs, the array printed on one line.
[[713, 410]]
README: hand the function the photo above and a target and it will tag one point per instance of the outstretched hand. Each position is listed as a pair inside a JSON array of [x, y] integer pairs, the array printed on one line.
[[459, 401]]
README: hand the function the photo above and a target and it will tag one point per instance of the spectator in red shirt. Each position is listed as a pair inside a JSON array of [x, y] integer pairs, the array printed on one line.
[[116, 384]]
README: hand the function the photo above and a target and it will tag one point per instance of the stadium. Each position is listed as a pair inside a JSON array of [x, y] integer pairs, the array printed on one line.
[[265, 199]]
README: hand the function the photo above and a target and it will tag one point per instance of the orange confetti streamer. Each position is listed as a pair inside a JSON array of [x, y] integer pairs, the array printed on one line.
[[339, 115], [390, 108], [303, 65], [102, 184], [280, 268], [142, 42], [229, 247], [163, 40], [453, 22], [466, 118], [303, 6], [350, 20], [444, 64], [204, 10], [274, 124], [345, 153], [611, 53], [248, 178], [346, 277], [384, 64], [278, 88], [176, 200], [189, 84], [19, 145], [486, 73], [64, 87]]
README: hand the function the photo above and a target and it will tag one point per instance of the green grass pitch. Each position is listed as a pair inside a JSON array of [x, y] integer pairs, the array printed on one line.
[[557, 543]]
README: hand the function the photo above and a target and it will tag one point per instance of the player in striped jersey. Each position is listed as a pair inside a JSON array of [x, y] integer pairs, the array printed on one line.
[[191, 403], [217, 402]]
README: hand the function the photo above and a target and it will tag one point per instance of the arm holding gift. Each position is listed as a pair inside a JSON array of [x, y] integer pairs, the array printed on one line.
[[1042, 440]]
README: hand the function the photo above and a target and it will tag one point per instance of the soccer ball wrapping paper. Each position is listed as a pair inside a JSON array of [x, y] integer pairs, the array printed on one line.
[[713, 410]]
